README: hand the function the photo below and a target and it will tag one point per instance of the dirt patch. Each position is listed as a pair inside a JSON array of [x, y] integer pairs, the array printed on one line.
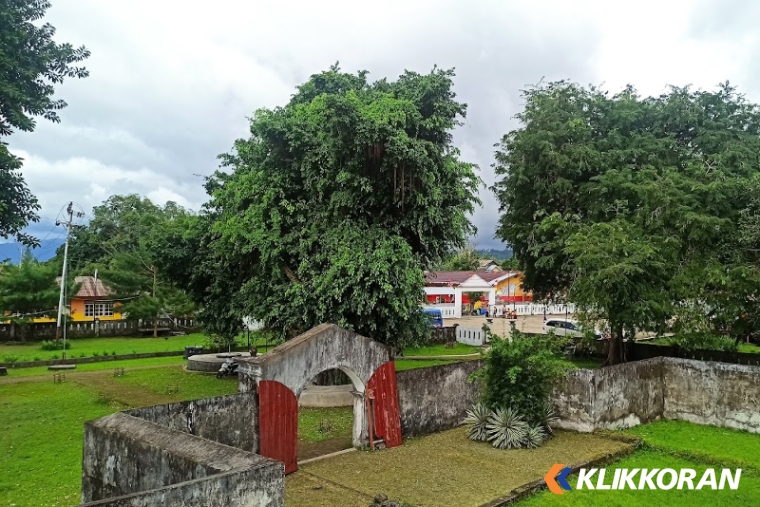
[[128, 395], [309, 450], [304, 489], [447, 469]]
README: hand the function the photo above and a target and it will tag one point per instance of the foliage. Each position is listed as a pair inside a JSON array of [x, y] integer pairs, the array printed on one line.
[[216, 341], [704, 341], [29, 289], [54, 345], [497, 255], [535, 435], [130, 240], [519, 374], [335, 205], [506, 429], [477, 422], [464, 260], [611, 201], [31, 62]]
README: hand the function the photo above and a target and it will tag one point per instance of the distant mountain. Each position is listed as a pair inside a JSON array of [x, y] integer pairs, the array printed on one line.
[[497, 255], [44, 252]]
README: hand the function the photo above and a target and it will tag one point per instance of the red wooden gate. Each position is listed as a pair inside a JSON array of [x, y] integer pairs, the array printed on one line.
[[386, 411], [278, 424]]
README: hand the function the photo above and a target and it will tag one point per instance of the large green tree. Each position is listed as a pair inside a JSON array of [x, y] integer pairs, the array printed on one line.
[[136, 246], [336, 204], [31, 63], [628, 205]]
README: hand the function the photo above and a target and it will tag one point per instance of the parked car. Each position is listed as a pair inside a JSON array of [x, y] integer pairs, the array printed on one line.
[[568, 327], [435, 316]]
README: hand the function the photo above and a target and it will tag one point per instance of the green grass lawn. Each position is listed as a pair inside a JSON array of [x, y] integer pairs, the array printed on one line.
[[318, 424], [441, 350], [747, 495], [101, 365], [749, 348], [412, 364], [188, 386], [89, 347], [676, 444], [41, 423], [41, 429], [703, 443]]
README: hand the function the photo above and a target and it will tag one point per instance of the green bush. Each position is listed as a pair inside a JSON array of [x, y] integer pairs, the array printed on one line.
[[54, 345], [704, 341], [10, 359], [519, 374]]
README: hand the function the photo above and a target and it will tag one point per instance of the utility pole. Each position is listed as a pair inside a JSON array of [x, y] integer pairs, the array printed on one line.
[[67, 225]]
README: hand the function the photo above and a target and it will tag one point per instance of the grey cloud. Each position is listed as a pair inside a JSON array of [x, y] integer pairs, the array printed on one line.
[[171, 85]]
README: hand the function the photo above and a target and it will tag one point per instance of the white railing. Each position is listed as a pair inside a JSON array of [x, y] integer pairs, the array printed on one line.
[[447, 310], [535, 309], [471, 336]]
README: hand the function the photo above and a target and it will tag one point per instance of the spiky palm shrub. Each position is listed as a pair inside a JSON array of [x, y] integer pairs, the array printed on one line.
[[548, 418], [477, 421], [535, 436], [506, 429]]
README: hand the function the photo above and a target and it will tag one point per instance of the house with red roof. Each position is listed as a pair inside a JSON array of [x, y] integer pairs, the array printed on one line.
[[449, 290]]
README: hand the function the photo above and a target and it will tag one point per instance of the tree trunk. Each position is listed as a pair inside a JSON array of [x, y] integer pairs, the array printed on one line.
[[615, 351], [155, 326]]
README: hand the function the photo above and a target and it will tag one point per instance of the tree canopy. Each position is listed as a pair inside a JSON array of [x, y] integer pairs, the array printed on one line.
[[629, 205], [135, 245], [31, 63], [336, 204]]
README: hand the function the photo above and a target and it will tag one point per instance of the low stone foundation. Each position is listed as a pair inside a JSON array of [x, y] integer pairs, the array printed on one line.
[[132, 462]]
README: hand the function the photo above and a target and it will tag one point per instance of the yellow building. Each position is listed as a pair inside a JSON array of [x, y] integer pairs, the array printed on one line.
[[509, 288], [90, 302]]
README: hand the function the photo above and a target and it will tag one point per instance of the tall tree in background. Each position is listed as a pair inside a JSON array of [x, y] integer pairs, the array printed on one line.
[[31, 62], [338, 201], [29, 290], [135, 244], [628, 205], [466, 259]]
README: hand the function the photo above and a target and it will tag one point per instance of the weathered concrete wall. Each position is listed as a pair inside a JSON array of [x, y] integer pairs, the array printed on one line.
[[262, 486], [436, 398], [230, 420], [125, 455], [326, 347], [574, 401], [719, 394], [629, 394], [619, 396]]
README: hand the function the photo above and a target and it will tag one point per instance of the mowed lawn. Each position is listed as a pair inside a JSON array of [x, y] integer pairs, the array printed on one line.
[[41, 423], [90, 347], [676, 445]]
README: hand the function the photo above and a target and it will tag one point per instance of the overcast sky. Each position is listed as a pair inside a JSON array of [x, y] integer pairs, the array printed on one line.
[[172, 83]]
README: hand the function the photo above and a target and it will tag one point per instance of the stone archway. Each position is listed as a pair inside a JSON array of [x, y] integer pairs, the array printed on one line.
[[282, 374]]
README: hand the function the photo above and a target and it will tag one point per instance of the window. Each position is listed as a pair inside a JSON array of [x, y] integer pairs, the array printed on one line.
[[92, 309]]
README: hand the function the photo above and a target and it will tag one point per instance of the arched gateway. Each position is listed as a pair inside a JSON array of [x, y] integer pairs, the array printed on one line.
[[283, 373]]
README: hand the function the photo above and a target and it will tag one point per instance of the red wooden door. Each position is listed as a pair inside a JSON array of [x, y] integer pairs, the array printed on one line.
[[386, 410], [278, 424]]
